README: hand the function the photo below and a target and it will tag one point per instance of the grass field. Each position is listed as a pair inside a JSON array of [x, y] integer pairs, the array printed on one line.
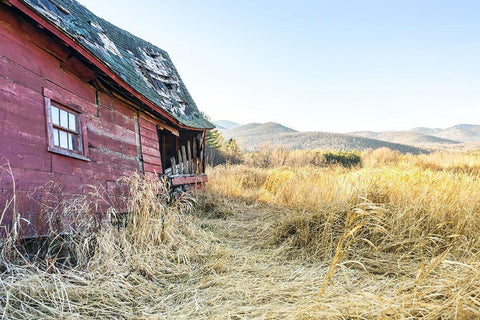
[[396, 237]]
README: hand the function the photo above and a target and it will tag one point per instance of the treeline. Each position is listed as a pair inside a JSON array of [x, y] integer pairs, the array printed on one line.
[[221, 151]]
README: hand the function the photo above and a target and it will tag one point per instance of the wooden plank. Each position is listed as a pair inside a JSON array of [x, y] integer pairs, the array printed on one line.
[[16, 97], [149, 142], [108, 158], [72, 167], [146, 124], [19, 75], [196, 179], [96, 140], [174, 165], [26, 54], [21, 154], [76, 67], [111, 130], [194, 148], [152, 168], [195, 159], [185, 160], [189, 155], [202, 155], [151, 159], [113, 101], [113, 116], [69, 99], [150, 151], [169, 128], [152, 135], [180, 163]]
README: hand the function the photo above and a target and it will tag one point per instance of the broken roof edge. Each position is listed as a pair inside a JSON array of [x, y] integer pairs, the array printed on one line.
[[90, 56]]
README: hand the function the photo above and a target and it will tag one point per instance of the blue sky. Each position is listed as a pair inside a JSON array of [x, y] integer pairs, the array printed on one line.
[[318, 65]]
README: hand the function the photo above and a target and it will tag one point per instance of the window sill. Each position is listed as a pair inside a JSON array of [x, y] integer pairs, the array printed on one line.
[[68, 153]]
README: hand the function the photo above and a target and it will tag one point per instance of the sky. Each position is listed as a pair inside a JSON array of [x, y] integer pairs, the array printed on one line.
[[337, 66]]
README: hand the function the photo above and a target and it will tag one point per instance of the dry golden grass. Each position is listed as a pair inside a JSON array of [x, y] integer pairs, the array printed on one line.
[[407, 223], [396, 238]]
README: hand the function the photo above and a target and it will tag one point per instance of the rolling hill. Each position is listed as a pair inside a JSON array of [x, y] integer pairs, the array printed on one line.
[[252, 135], [459, 132], [404, 137]]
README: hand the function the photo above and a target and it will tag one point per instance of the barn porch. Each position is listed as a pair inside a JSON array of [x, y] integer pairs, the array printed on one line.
[[182, 155]]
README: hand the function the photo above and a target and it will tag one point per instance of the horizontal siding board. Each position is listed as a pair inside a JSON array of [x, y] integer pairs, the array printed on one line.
[[28, 55], [190, 180], [146, 142], [21, 133], [151, 159], [113, 173], [71, 166], [113, 116], [24, 155], [69, 99], [106, 158], [111, 130], [146, 124], [149, 134], [15, 97], [151, 151], [110, 102], [152, 168], [20, 75], [96, 140], [24, 48]]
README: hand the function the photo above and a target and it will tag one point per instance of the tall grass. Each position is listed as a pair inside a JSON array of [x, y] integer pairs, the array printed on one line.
[[396, 237], [413, 218], [416, 208], [117, 272]]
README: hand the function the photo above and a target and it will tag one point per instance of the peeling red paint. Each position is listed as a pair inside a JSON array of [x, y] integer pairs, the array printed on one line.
[[119, 139]]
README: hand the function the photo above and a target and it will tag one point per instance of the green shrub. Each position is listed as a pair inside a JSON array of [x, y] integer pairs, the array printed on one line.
[[346, 159]]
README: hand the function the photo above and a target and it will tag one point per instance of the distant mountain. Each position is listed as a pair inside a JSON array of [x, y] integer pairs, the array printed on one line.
[[253, 130], [425, 130], [404, 137], [252, 135], [459, 132], [225, 124]]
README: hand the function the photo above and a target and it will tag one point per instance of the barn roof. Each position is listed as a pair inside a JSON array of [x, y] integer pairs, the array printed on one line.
[[141, 65]]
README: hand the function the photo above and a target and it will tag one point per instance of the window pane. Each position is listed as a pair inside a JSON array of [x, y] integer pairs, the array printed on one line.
[[63, 139], [55, 137], [55, 115], [72, 141], [72, 122], [63, 118]]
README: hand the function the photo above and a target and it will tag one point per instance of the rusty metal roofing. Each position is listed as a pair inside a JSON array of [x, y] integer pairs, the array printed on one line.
[[143, 66]]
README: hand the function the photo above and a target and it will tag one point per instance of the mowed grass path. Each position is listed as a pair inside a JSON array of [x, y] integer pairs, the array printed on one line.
[[253, 279]]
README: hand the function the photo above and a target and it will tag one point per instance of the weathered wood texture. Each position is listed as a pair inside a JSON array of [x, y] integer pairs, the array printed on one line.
[[150, 147], [196, 180], [119, 139], [189, 159], [30, 63]]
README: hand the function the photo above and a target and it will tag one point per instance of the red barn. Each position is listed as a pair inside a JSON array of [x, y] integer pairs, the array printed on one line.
[[84, 103]]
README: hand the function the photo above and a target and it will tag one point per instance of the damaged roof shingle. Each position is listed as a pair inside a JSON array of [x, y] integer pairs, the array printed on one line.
[[143, 66]]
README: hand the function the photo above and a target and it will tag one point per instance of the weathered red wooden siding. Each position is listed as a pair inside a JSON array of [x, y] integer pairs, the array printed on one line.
[[152, 164], [29, 62]]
